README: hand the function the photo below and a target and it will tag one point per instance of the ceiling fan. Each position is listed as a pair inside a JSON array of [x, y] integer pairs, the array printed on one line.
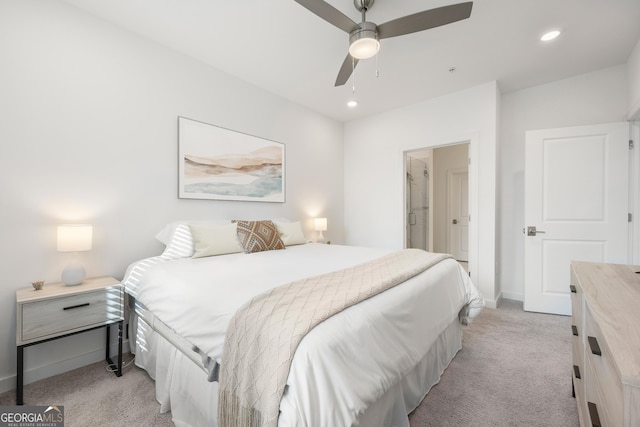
[[364, 38]]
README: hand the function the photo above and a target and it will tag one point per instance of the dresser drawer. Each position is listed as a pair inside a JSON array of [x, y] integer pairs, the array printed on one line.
[[576, 301], [593, 408], [578, 354], [606, 379], [58, 316], [579, 391], [577, 338], [577, 334]]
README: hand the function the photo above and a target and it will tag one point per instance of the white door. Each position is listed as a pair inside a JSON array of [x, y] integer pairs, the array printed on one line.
[[576, 197], [458, 185]]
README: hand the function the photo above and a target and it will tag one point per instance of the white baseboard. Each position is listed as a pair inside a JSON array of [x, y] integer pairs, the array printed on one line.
[[493, 303], [59, 367], [513, 296]]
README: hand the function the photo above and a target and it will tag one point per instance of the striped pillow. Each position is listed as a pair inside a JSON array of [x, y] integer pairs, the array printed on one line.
[[258, 236]]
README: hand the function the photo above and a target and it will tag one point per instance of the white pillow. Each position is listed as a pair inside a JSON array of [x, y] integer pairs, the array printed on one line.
[[291, 233], [213, 239], [181, 243], [166, 234]]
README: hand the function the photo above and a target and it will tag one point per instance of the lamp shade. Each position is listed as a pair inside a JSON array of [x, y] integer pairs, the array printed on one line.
[[74, 237], [364, 48], [320, 224]]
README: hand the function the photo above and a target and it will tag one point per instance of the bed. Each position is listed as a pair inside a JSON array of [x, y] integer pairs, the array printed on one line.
[[370, 364]]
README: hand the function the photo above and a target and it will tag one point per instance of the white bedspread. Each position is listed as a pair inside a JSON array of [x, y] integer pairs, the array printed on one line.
[[332, 379]]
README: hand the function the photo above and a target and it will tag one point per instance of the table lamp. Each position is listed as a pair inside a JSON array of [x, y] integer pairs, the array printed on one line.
[[74, 238], [320, 225]]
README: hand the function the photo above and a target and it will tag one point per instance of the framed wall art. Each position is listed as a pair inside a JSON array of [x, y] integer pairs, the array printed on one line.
[[222, 164]]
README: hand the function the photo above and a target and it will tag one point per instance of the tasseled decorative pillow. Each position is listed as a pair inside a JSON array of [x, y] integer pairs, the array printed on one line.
[[258, 236]]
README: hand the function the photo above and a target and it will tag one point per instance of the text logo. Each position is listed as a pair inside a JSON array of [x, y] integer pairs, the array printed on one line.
[[32, 416]]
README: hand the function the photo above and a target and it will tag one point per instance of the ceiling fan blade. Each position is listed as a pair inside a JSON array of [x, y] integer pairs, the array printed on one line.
[[329, 13], [346, 69], [424, 20]]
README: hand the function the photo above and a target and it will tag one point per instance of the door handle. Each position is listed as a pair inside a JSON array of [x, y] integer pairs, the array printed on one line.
[[455, 221], [531, 230], [412, 218]]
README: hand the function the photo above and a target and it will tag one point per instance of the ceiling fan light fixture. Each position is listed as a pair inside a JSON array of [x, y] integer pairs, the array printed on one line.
[[363, 42]]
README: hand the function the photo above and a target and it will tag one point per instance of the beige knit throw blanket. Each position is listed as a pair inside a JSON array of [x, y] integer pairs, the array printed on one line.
[[263, 335]]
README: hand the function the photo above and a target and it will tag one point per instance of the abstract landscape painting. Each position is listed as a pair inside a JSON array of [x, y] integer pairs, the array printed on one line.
[[218, 163]]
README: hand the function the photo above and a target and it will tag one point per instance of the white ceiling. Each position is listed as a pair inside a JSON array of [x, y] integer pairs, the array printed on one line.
[[282, 47]]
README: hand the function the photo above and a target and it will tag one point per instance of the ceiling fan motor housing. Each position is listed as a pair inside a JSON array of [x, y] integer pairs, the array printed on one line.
[[363, 41], [363, 4]]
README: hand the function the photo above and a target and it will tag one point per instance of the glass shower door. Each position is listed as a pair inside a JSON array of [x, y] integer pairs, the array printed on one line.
[[417, 198]]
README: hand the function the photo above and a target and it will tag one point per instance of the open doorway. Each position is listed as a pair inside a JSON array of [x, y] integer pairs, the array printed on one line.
[[437, 200]]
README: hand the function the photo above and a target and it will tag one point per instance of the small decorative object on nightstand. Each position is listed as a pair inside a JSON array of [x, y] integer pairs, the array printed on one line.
[[38, 284], [59, 311]]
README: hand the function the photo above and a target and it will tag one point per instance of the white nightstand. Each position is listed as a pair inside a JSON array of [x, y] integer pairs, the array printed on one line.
[[58, 311]]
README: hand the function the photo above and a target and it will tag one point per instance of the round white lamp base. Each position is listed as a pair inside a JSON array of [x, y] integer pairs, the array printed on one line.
[[73, 274]]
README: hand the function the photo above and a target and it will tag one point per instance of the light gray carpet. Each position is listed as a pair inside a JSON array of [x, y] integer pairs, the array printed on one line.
[[514, 370], [91, 396]]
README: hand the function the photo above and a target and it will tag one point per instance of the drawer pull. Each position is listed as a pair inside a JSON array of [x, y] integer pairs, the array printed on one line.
[[574, 330], [573, 289], [76, 306], [595, 348], [576, 371], [593, 414]]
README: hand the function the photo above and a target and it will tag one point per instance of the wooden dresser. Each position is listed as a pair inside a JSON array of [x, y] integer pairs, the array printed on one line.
[[605, 301]]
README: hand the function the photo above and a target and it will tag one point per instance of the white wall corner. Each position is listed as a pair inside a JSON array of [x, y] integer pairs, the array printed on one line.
[[633, 78], [493, 303], [634, 112]]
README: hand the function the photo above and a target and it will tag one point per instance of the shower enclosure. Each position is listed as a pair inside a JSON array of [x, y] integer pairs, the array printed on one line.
[[417, 203]]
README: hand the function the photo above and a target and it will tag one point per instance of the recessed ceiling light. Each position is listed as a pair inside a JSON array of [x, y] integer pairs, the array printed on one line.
[[352, 103], [550, 35]]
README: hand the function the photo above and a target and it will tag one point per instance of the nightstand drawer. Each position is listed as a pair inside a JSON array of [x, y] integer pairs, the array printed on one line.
[[58, 316]]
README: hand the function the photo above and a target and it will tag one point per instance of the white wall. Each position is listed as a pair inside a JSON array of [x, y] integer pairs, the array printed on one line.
[[373, 151], [88, 127], [633, 73], [598, 97]]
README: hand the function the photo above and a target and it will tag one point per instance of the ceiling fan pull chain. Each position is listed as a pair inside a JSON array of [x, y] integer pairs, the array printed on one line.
[[377, 70], [353, 75]]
